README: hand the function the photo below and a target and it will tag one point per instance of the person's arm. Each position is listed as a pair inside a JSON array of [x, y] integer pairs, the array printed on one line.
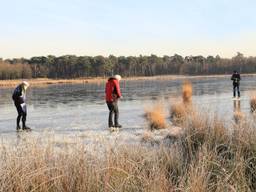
[[118, 91], [232, 77]]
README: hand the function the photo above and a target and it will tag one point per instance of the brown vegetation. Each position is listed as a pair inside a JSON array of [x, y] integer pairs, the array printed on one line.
[[187, 92], [208, 156], [45, 81], [156, 117], [180, 110], [14, 71], [238, 116], [147, 136], [253, 102], [178, 113]]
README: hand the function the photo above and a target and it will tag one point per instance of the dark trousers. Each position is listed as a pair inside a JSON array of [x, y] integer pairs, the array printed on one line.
[[236, 89], [22, 113], [113, 109]]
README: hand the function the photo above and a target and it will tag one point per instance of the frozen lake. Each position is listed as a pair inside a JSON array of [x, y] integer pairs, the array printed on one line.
[[80, 109]]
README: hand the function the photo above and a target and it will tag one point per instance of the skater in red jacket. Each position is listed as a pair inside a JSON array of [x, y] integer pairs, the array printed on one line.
[[113, 93]]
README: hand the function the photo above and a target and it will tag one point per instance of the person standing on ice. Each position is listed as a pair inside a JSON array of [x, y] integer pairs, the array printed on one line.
[[113, 93], [236, 82], [19, 98]]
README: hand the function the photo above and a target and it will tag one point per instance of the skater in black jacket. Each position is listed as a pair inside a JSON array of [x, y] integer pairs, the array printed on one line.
[[236, 82], [19, 98]]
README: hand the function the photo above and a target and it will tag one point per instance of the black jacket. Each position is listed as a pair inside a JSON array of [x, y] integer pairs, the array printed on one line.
[[17, 95], [236, 78]]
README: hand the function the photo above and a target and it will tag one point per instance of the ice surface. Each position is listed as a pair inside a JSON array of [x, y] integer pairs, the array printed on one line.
[[79, 110]]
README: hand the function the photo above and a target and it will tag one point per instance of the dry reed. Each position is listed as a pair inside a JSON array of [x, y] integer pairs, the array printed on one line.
[[147, 136], [156, 116], [179, 111], [187, 92], [253, 102], [206, 157], [45, 81], [238, 116]]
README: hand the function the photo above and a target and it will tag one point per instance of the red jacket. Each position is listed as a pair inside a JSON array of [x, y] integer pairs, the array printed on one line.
[[112, 90]]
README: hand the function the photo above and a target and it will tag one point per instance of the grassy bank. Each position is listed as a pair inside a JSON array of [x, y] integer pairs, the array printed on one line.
[[208, 156], [45, 81]]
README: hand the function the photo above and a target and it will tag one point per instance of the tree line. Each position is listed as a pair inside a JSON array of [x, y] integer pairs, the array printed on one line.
[[71, 66]]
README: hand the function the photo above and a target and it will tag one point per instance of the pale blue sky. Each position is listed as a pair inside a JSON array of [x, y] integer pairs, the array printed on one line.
[[127, 27]]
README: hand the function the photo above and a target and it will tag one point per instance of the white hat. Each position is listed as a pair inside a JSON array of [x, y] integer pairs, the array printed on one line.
[[25, 84], [118, 77]]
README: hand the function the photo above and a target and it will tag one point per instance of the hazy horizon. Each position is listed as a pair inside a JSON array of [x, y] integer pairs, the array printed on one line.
[[130, 28]]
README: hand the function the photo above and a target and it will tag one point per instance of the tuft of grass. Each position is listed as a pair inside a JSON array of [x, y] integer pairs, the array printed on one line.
[[187, 92], [253, 103], [156, 116], [178, 113], [238, 116], [147, 137]]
